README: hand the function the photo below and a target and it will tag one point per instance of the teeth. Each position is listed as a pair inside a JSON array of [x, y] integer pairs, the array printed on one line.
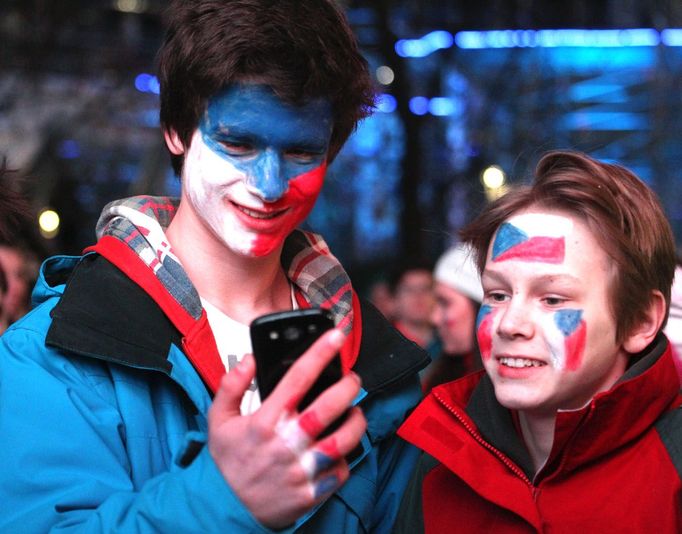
[[520, 362], [258, 214]]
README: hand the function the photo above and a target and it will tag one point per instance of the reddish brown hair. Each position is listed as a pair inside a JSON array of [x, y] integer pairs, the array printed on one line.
[[623, 214]]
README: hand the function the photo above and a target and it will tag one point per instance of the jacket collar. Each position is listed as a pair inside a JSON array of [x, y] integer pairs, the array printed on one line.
[[648, 388], [108, 313]]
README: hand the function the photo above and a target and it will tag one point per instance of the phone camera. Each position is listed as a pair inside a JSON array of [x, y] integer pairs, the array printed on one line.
[[292, 333]]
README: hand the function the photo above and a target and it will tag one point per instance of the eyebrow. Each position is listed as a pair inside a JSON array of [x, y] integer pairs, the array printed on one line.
[[544, 278]]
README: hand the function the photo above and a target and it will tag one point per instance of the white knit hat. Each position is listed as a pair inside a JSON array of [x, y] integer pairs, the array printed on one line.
[[457, 269]]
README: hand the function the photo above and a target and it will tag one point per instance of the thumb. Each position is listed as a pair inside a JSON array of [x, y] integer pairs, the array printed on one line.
[[232, 387]]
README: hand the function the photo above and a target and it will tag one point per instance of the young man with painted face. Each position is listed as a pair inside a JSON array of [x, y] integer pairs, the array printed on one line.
[[575, 424], [115, 408]]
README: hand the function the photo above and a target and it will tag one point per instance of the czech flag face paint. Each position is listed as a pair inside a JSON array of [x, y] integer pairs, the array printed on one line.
[[256, 165], [532, 237], [545, 329]]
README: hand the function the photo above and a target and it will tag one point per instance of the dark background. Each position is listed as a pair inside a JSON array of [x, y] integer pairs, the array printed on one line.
[[81, 125]]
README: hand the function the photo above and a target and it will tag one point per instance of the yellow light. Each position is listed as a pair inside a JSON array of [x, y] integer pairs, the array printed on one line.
[[493, 177], [130, 6], [385, 75], [48, 220]]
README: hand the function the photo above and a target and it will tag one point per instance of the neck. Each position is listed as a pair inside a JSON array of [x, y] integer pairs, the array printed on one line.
[[242, 287], [538, 434]]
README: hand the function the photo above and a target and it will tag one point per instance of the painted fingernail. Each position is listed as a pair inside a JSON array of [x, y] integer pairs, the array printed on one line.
[[322, 462], [326, 485]]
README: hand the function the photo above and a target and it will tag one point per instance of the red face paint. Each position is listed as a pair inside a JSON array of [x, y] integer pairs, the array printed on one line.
[[484, 331], [298, 201]]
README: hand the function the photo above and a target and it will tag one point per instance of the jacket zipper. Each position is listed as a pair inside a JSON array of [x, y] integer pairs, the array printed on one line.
[[512, 467]]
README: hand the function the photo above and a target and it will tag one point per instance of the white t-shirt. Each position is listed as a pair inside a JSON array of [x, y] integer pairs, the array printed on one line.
[[234, 341]]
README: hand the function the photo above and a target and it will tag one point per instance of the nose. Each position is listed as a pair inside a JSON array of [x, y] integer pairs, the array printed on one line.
[[267, 180], [515, 320]]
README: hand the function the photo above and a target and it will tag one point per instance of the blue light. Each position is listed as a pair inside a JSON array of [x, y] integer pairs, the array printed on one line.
[[422, 47], [142, 82], [154, 86], [386, 103], [647, 37], [146, 83], [439, 39], [419, 105], [69, 149], [671, 37], [441, 106]]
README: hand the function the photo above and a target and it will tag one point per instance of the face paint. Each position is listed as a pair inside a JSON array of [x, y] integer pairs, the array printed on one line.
[[565, 332], [310, 424], [546, 328], [320, 459], [255, 166], [532, 237], [294, 437], [325, 486], [484, 330]]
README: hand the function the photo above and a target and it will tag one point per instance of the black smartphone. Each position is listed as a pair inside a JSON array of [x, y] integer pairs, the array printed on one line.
[[278, 339]]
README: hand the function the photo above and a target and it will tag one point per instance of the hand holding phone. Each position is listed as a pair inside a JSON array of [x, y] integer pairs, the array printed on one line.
[[279, 339]]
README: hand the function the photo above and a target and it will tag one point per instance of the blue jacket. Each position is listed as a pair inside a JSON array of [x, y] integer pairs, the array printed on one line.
[[103, 418]]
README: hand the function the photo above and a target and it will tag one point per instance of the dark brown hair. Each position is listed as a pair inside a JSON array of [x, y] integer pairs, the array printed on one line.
[[623, 214], [301, 49]]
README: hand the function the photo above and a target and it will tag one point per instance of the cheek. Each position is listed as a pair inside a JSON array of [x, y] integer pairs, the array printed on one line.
[[305, 188], [484, 331], [575, 347], [565, 333]]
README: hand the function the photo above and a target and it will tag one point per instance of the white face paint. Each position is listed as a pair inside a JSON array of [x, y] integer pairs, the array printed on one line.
[[211, 183]]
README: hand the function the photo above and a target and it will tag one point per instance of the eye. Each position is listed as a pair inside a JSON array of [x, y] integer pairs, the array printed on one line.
[[496, 297], [553, 301], [237, 148], [303, 155]]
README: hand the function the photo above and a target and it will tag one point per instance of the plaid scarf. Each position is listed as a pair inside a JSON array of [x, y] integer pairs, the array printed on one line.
[[141, 221]]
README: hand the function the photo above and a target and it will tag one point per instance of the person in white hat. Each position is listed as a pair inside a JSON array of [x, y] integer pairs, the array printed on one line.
[[458, 296]]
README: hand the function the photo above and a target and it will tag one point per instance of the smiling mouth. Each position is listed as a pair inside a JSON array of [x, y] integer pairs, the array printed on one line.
[[520, 363], [257, 214]]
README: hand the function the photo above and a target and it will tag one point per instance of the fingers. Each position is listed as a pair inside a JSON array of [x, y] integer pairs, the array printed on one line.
[[324, 454], [233, 385], [330, 405], [301, 376]]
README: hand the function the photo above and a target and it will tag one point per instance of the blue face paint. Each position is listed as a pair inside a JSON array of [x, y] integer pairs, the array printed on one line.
[[269, 141], [567, 321], [507, 237]]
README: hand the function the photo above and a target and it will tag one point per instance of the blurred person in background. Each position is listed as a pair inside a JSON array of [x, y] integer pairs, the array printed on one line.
[[411, 285], [379, 294], [20, 250], [458, 296]]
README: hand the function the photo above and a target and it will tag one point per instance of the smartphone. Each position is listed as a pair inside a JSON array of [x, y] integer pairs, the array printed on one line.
[[279, 339]]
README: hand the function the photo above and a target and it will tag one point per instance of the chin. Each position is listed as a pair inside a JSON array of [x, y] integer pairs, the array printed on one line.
[[517, 398]]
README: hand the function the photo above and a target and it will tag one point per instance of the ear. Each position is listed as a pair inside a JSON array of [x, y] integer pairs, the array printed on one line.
[[173, 142], [644, 333]]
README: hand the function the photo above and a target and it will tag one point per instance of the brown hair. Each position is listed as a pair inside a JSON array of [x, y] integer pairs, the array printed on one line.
[[623, 214], [301, 49]]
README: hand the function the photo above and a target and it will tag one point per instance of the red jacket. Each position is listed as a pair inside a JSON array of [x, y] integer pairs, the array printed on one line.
[[608, 471]]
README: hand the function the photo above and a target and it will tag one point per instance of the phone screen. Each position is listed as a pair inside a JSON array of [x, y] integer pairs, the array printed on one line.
[[278, 339]]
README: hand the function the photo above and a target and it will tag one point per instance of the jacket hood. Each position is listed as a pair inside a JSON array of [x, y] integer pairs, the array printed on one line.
[[140, 222]]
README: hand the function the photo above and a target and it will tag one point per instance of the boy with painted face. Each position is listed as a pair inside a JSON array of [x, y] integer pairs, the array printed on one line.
[[575, 425], [116, 406]]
